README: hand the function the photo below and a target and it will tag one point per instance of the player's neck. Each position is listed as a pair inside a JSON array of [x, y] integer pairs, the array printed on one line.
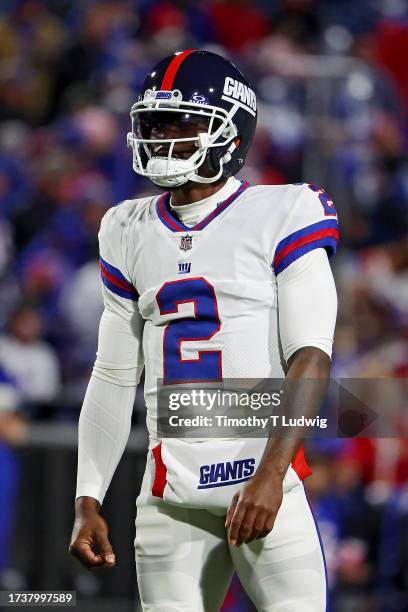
[[194, 192]]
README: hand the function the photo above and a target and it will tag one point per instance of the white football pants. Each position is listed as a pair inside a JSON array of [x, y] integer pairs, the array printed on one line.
[[184, 562]]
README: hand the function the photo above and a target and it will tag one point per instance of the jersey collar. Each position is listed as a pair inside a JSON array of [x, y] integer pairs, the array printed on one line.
[[172, 223]]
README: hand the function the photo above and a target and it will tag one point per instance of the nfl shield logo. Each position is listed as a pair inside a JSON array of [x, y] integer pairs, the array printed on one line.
[[186, 242]]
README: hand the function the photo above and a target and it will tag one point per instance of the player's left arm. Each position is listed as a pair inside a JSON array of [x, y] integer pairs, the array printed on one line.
[[307, 314], [307, 307]]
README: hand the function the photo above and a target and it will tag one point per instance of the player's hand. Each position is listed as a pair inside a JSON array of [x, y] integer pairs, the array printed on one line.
[[89, 540], [253, 509]]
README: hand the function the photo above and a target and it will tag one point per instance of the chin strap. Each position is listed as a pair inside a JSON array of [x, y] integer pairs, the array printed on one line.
[[196, 178], [192, 174]]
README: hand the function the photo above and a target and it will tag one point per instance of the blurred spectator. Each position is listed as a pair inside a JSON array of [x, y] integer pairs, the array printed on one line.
[[31, 361], [391, 46], [237, 599], [348, 522], [12, 432], [227, 18], [82, 302]]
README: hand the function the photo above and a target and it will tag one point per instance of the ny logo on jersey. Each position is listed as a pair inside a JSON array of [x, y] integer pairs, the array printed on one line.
[[184, 268], [186, 242]]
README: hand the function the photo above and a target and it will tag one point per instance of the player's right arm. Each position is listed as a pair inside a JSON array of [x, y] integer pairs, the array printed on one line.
[[105, 418]]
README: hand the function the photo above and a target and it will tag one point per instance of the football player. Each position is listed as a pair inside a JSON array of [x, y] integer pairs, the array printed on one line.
[[213, 279]]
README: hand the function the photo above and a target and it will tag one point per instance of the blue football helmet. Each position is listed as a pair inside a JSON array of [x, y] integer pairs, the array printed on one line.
[[193, 87]]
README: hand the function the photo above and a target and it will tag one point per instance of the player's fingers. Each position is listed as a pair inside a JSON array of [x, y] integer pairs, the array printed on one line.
[[83, 552], [105, 548], [236, 521], [231, 510], [262, 534], [247, 525], [269, 523], [258, 527]]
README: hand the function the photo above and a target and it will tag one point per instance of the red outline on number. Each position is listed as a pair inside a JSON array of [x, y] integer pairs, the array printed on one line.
[[200, 353]]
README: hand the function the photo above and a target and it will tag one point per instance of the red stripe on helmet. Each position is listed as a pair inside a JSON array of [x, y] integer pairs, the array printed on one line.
[[169, 75]]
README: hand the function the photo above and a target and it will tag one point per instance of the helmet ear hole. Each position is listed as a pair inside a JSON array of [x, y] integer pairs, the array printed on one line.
[[213, 158]]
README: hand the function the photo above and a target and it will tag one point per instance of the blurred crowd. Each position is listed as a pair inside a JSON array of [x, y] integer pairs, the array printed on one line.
[[332, 83]]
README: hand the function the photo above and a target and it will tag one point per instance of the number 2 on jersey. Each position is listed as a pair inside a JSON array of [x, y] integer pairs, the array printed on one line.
[[325, 199], [203, 326]]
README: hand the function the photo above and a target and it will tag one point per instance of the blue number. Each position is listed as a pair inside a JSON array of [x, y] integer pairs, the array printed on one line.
[[203, 326], [325, 199]]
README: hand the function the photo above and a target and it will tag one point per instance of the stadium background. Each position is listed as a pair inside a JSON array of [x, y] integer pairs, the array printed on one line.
[[332, 82]]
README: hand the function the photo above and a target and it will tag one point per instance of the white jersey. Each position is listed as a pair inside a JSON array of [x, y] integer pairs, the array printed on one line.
[[206, 296]]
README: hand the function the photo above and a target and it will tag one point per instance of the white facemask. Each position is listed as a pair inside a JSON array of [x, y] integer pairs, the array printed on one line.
[[167, 171]]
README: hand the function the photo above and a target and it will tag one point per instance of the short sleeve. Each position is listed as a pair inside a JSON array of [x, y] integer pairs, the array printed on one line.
[[310, 223], [112, 247]]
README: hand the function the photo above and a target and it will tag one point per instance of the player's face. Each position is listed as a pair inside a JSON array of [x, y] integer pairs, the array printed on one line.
[[178, 132], [163, 126]]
